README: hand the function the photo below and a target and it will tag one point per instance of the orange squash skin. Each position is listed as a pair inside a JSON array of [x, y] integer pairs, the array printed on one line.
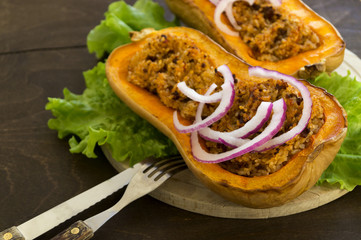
[[328, 56], [298, 175]]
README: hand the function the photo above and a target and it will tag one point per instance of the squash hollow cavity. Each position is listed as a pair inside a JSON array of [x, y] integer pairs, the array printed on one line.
[[272, 33], [167, 59]]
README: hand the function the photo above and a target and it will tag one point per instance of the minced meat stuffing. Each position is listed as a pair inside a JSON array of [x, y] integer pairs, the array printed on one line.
[[272, 33], [168, 59]]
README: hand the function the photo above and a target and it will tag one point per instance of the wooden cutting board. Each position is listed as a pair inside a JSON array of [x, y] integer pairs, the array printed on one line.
[[186, 192]]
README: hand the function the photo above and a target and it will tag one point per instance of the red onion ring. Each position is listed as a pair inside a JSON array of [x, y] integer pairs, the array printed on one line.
[[263, 113], [230, 16], [265, 140], [189, 92], [279, 115], [215, 137], [278, 118], [220, 8], [223, 107], [276, 3], [226, 6], [306, 111], [215, 2]]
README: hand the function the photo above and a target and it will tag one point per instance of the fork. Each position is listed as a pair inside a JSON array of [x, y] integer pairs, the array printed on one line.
[[152, 173]]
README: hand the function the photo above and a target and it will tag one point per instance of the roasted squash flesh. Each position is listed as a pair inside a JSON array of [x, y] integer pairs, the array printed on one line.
[[311, 41], [300, 172]]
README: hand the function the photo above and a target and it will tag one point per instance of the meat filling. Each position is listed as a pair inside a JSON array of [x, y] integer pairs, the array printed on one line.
[[168, 59], [271, 33]]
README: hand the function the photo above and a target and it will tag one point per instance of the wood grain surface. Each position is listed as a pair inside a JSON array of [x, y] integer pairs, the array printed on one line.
[[42, 51]]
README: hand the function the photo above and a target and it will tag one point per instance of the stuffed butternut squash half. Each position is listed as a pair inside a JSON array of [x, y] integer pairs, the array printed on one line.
[[256, 137], [283, 35]]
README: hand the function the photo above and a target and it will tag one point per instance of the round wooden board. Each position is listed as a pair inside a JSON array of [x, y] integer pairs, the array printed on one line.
[[186, 192]]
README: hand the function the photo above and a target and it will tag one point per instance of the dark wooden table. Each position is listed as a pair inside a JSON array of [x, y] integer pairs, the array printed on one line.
[[42, 50]]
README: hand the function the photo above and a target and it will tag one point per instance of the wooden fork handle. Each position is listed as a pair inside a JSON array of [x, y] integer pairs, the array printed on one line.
[[77, 231]]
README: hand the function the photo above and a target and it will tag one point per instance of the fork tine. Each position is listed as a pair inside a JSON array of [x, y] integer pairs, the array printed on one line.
[[156, 168], [155, 165], [171, 170], [160, 161]]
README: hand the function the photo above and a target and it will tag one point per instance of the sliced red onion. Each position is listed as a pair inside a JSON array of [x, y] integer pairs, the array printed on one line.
[[233, 142], [220, 8], [198, 117], [223, 107], [278, 118], [230, 16], [276, 3], [215, 2], [189, 92], [226, 6], [263, 113], [306, 111], [279, 114]]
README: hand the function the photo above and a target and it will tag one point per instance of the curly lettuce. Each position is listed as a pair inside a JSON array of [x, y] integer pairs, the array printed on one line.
[[97, 116], [346, 167], [120, 19]]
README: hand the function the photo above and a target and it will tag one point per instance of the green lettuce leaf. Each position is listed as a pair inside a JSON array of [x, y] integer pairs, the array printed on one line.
[[346, 167], [120, 19], [98, 117]]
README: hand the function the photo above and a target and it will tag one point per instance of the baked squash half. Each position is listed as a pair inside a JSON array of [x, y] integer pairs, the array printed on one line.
[[290, 38], [144, 75]]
